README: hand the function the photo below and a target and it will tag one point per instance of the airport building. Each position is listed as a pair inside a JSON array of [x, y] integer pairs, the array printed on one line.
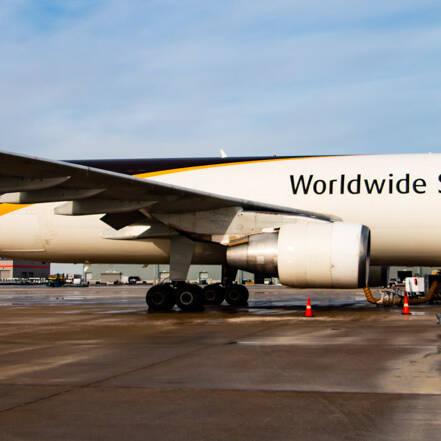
[[23, 269], [416, 270], [111, 273], [119, 273]]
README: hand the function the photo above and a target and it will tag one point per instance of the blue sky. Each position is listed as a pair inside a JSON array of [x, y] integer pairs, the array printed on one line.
[[89, 79]]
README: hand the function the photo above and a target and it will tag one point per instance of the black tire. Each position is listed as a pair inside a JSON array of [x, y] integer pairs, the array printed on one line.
[[214, 294], [190, 297], [237, 295], [161, 297]]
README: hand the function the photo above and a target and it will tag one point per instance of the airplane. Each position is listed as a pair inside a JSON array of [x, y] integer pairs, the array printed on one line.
[[311, 221]]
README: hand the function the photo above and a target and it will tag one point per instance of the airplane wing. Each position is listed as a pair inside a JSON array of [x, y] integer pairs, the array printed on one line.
[[88, 190]]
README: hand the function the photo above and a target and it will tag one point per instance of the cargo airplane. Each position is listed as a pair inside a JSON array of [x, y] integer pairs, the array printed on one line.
[[312, 221]]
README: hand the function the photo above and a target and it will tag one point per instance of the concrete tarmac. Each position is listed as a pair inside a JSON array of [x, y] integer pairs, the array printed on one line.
[[92, 364]]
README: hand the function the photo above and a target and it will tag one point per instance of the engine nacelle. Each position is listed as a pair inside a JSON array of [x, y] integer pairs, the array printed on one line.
[[315, 255]]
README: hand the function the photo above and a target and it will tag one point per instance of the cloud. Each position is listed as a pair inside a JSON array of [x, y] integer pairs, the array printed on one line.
[[164, 78]]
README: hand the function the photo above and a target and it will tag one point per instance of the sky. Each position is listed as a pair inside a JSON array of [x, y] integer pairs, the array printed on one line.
[[165, 78]]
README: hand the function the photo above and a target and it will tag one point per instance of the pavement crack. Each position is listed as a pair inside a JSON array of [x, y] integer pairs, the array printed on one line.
[[36, 400]]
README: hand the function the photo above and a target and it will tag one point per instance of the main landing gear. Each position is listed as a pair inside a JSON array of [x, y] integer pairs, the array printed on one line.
[[237, 295], [191, 297], [165, 296], [161, 297], [188, 296], [234, 294]]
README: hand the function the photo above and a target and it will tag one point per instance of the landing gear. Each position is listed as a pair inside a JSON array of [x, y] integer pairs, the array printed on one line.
[[161, 297], [233, 293], [164, 296], [237, 295], [190, 297], [214, 294]]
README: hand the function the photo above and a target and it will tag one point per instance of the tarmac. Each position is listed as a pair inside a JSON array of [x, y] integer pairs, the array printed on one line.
[[93, 364]]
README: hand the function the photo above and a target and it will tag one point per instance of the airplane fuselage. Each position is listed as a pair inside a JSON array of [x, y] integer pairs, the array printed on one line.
[[396, 196]]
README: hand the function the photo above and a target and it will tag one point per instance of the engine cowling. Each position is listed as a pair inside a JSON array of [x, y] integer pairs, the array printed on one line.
[[315, 255]]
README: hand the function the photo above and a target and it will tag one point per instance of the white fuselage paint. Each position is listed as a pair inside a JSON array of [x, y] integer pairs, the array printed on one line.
[[403, 216]]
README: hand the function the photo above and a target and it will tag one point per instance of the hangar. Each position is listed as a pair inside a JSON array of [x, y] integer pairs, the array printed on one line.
[[155, 273], [201, 273], [23, 269]]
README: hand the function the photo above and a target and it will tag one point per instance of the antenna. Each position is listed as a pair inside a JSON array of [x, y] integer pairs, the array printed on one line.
[[223, 154]]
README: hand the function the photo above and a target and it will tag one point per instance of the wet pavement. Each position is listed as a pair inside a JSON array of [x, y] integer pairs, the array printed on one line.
[[92, 364]]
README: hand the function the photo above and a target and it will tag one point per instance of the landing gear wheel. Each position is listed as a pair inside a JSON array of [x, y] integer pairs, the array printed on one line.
[[237, 295], [190, 297], [214, 294], [161, 297]]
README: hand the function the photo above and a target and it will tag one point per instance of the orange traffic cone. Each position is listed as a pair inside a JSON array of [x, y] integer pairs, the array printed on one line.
[[308, 311], [406, 309]]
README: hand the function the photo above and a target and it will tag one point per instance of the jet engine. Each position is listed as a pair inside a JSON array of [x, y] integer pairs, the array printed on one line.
[[315, 255]]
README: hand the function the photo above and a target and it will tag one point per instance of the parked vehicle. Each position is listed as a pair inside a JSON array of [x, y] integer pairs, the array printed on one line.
[[55, 280], [133, 280]]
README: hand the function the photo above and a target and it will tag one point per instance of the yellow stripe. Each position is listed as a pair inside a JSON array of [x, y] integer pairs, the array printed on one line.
[[200, 167], [239, 242], [9, 208]]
